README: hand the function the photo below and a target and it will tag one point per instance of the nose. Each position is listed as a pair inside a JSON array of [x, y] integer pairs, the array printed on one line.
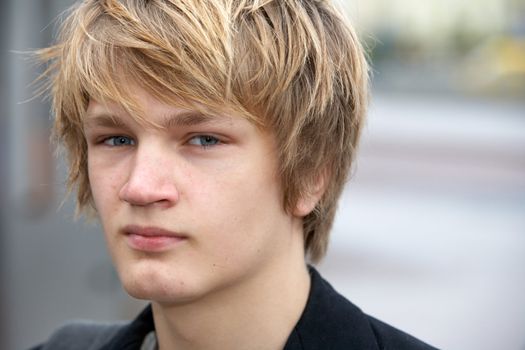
[[150, 180]]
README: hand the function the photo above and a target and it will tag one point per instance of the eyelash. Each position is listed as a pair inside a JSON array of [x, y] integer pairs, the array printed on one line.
[[106, 141], [128, 141], [205, 138]]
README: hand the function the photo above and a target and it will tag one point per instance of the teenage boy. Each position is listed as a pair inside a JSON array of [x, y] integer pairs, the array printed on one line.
[[212, 139]]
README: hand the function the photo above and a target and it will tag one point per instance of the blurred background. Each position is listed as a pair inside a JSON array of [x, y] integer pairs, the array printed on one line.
[[430, 235]]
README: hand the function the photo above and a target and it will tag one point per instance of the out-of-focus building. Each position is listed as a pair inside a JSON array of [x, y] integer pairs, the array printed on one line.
[[468, 46], [432, 23]]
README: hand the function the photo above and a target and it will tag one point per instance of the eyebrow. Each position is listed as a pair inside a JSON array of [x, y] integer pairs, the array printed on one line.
[[182, 119], [104, 120], [188, 118]]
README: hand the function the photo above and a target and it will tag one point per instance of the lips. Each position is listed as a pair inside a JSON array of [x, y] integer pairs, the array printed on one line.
[[151, 239]]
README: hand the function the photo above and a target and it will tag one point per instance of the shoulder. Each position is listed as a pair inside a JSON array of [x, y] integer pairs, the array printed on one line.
[[389, 337], [81, 335], [330, 321], [88, 335]]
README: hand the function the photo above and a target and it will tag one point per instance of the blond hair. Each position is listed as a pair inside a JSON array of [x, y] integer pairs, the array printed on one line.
[[295, 67]]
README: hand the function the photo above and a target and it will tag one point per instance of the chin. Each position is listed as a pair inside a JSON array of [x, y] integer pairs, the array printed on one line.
[[157, 285]]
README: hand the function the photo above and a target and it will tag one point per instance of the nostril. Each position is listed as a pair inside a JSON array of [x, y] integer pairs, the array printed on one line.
[[145, 193]]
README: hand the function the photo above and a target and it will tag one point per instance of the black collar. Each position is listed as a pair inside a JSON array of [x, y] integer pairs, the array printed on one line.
[[329, 321], [131, 336]]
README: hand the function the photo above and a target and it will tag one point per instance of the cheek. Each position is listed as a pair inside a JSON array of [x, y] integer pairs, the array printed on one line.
[[241, 212], [104, 187], [236, 193]]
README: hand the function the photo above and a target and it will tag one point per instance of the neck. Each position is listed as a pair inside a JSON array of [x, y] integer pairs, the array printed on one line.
[[256, 314]]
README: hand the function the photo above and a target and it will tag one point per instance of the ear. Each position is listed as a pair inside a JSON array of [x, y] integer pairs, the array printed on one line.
[[307, 202]]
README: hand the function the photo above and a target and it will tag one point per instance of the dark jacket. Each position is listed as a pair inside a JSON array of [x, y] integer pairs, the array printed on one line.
[[329, 322]]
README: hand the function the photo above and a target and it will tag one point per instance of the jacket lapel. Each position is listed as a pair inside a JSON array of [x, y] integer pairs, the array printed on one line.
[[330, 322]]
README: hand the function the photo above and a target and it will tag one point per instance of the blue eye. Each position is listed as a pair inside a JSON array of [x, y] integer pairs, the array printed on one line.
[[119, 141], [204, 141]]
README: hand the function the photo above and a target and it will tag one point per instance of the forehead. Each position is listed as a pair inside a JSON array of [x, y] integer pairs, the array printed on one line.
[[149, 111], [105, 115]]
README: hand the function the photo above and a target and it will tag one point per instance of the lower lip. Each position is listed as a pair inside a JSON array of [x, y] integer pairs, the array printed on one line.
[[152, 243]]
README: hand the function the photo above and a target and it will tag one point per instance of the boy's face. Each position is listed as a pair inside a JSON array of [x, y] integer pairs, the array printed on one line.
[[190, 209]]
